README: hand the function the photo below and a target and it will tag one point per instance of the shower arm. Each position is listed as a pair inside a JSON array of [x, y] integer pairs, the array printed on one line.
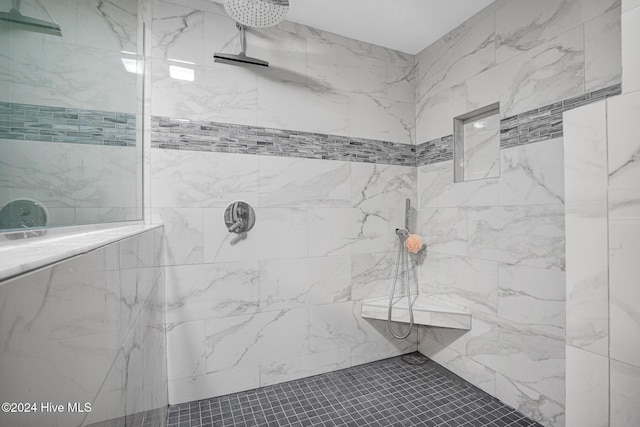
[[243, 39]]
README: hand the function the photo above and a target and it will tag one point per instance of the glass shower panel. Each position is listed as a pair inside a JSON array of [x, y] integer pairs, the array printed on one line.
[[70, 112]]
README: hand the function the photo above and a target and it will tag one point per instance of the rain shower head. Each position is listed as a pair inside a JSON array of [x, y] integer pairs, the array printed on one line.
[[241, 58], [257, 13], [30, 24]]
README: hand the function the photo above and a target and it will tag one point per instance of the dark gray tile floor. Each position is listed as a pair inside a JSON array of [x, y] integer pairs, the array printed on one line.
[[389, 392]]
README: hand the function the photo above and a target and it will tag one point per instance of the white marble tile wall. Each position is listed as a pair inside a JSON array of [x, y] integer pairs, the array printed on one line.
[[245, 312], [537, 405], [437, 189], [305, 366], [531, 235], [381, 118], [235, 176], [624, 228], [532, 174], [624, 382], [434, 114], [602, 62], [522, 354], [212, 290], [522, 54], [630, 35], [603, 235], [308, 220], [341, 67], [586, 181], [234, 90], [316, 82], [587, 388], [515, 34], [302, 282], [466, 51], [496, 247], [400, 67], [530, 85], [532, 296], [466, 281], [283, 301], [291, 105], [624, 145], [624, 242], [627, 5], [87, 329]]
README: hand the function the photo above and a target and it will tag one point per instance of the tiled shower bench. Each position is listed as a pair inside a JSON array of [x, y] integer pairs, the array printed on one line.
[[426, 311]]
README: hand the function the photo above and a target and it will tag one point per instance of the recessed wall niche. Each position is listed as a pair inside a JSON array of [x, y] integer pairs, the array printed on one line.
[[476, 146]]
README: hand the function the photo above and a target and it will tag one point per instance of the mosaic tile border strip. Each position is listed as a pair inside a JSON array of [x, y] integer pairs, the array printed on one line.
[[435, 151], [66, 125], [532, 126], [179, 134], [546, 122], [525, 128]]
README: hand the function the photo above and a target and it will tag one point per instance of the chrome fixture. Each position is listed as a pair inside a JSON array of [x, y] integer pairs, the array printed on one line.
[[403, 234], [257, 13], [30, 24], [241, 58], [239, 217]]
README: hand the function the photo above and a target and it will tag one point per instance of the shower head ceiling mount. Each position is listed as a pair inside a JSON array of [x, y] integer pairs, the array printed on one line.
[[257, 13]]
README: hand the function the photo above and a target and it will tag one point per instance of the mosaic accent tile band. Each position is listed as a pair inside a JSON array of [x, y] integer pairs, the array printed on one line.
[[194, 135], [435, 151], [67, 125], [532, 126], [546, 122], [178, 134]]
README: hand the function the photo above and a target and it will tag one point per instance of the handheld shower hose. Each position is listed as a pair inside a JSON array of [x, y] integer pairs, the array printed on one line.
[[402, 233]]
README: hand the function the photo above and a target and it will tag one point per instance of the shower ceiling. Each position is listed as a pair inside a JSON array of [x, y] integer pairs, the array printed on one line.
[[405, 25]]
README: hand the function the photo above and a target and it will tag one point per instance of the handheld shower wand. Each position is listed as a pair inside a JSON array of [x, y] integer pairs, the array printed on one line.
[[403, 234]]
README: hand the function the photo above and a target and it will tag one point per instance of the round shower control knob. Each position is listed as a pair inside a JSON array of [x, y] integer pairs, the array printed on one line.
[[239, 217]]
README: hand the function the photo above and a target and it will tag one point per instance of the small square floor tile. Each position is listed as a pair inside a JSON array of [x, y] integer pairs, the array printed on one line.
[[388, 392]]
